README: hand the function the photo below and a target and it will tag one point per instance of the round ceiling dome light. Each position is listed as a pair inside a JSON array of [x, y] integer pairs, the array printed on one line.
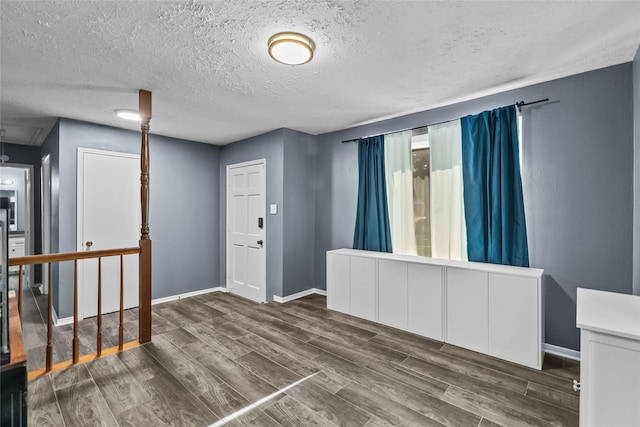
[[128, 115], [291, 48]]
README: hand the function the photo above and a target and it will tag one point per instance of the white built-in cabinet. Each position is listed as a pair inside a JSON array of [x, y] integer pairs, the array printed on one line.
[[410, 294], [496, 309], [492, 309], [609, 358]]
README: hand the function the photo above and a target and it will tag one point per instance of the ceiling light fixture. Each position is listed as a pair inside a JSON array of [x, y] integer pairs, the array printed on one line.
[[291, 48], [6, 182], [128, 115]]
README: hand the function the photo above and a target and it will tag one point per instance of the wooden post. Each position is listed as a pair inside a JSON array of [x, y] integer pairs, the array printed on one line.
[[144, 332], [75, 351], [49, 361], [20, 293], [121, 323], [145, 115], [99, 334]]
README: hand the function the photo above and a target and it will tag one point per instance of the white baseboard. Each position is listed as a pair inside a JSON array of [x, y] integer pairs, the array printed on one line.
[[63, 321], [299, 295], [187, 295], [567, 353], [69, 320]]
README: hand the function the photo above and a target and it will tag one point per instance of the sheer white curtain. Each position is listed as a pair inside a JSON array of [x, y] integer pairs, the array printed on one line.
[[448, 230], [399, 179]]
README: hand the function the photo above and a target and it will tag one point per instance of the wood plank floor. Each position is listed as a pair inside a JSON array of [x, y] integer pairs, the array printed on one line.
[[34, 327], [214, 355]]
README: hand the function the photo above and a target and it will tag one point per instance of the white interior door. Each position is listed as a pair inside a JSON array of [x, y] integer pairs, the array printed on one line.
[[246, 225], [108, 218]]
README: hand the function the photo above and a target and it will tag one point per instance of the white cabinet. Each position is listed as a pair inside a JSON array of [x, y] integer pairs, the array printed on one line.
[[467, 309], [425, 296], [410, 294], [609, 358], [497, 310], [338, 288], [492, 309], [392, 291], [363, 287], [352, 284], [514, 313]]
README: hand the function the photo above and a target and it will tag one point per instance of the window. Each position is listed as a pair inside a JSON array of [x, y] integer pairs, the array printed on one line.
[[420, 158]]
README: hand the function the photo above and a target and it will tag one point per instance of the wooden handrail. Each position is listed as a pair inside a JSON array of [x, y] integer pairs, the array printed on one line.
[[75, 256], [144, 256], [71, 256]]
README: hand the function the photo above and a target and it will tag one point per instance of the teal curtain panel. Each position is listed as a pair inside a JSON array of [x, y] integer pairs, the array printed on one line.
[[372, 231], [493, 200]]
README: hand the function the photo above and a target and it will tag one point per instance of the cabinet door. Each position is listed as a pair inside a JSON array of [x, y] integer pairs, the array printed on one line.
[[514, 320], [392, 293], [425, 300], [467, 309], [609, 379], [338, 276], [363, 287]]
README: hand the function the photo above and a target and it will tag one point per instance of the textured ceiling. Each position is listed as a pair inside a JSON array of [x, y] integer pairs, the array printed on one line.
[[212, 80]]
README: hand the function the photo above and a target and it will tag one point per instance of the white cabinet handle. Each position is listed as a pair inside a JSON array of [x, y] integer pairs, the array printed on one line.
[[576, 385]]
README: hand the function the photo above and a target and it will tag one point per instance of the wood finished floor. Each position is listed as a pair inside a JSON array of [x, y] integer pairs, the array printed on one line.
[[34, 328], [214, 354]]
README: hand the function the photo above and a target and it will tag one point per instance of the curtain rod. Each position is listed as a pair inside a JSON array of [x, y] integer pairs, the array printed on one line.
[[518, 104]]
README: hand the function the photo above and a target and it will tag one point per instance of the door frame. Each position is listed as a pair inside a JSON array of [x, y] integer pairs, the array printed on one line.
[[255, 162], [45, 216], [29, 243], [80, 247]]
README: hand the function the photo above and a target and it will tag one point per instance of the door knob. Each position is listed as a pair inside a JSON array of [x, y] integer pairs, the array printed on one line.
[[260, 242], [89, 243]]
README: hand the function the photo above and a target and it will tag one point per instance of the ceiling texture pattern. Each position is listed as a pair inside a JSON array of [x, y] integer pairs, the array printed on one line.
[[213, 81]]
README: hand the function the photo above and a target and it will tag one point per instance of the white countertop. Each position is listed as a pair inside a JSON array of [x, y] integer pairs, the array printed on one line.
[[609, 313], [498, 268], [396, 257], [479, 266]]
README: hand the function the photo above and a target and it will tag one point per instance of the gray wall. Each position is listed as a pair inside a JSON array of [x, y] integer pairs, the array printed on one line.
[[183, 215], [577, 181], [298, 212], [268, 146], [184, 202], [290, 163], [636, 173]]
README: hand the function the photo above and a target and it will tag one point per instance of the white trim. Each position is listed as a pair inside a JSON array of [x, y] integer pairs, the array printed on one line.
[[69, 320], [63, 321], [45, 217], [567, 353], [29, 225], [187, 295], [299, 295]]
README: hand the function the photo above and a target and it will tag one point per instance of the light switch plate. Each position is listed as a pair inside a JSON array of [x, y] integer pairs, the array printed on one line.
[[273, 209]]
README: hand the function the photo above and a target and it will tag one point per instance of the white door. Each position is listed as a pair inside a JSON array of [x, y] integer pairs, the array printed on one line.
[[246, 225], [108, 218]]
